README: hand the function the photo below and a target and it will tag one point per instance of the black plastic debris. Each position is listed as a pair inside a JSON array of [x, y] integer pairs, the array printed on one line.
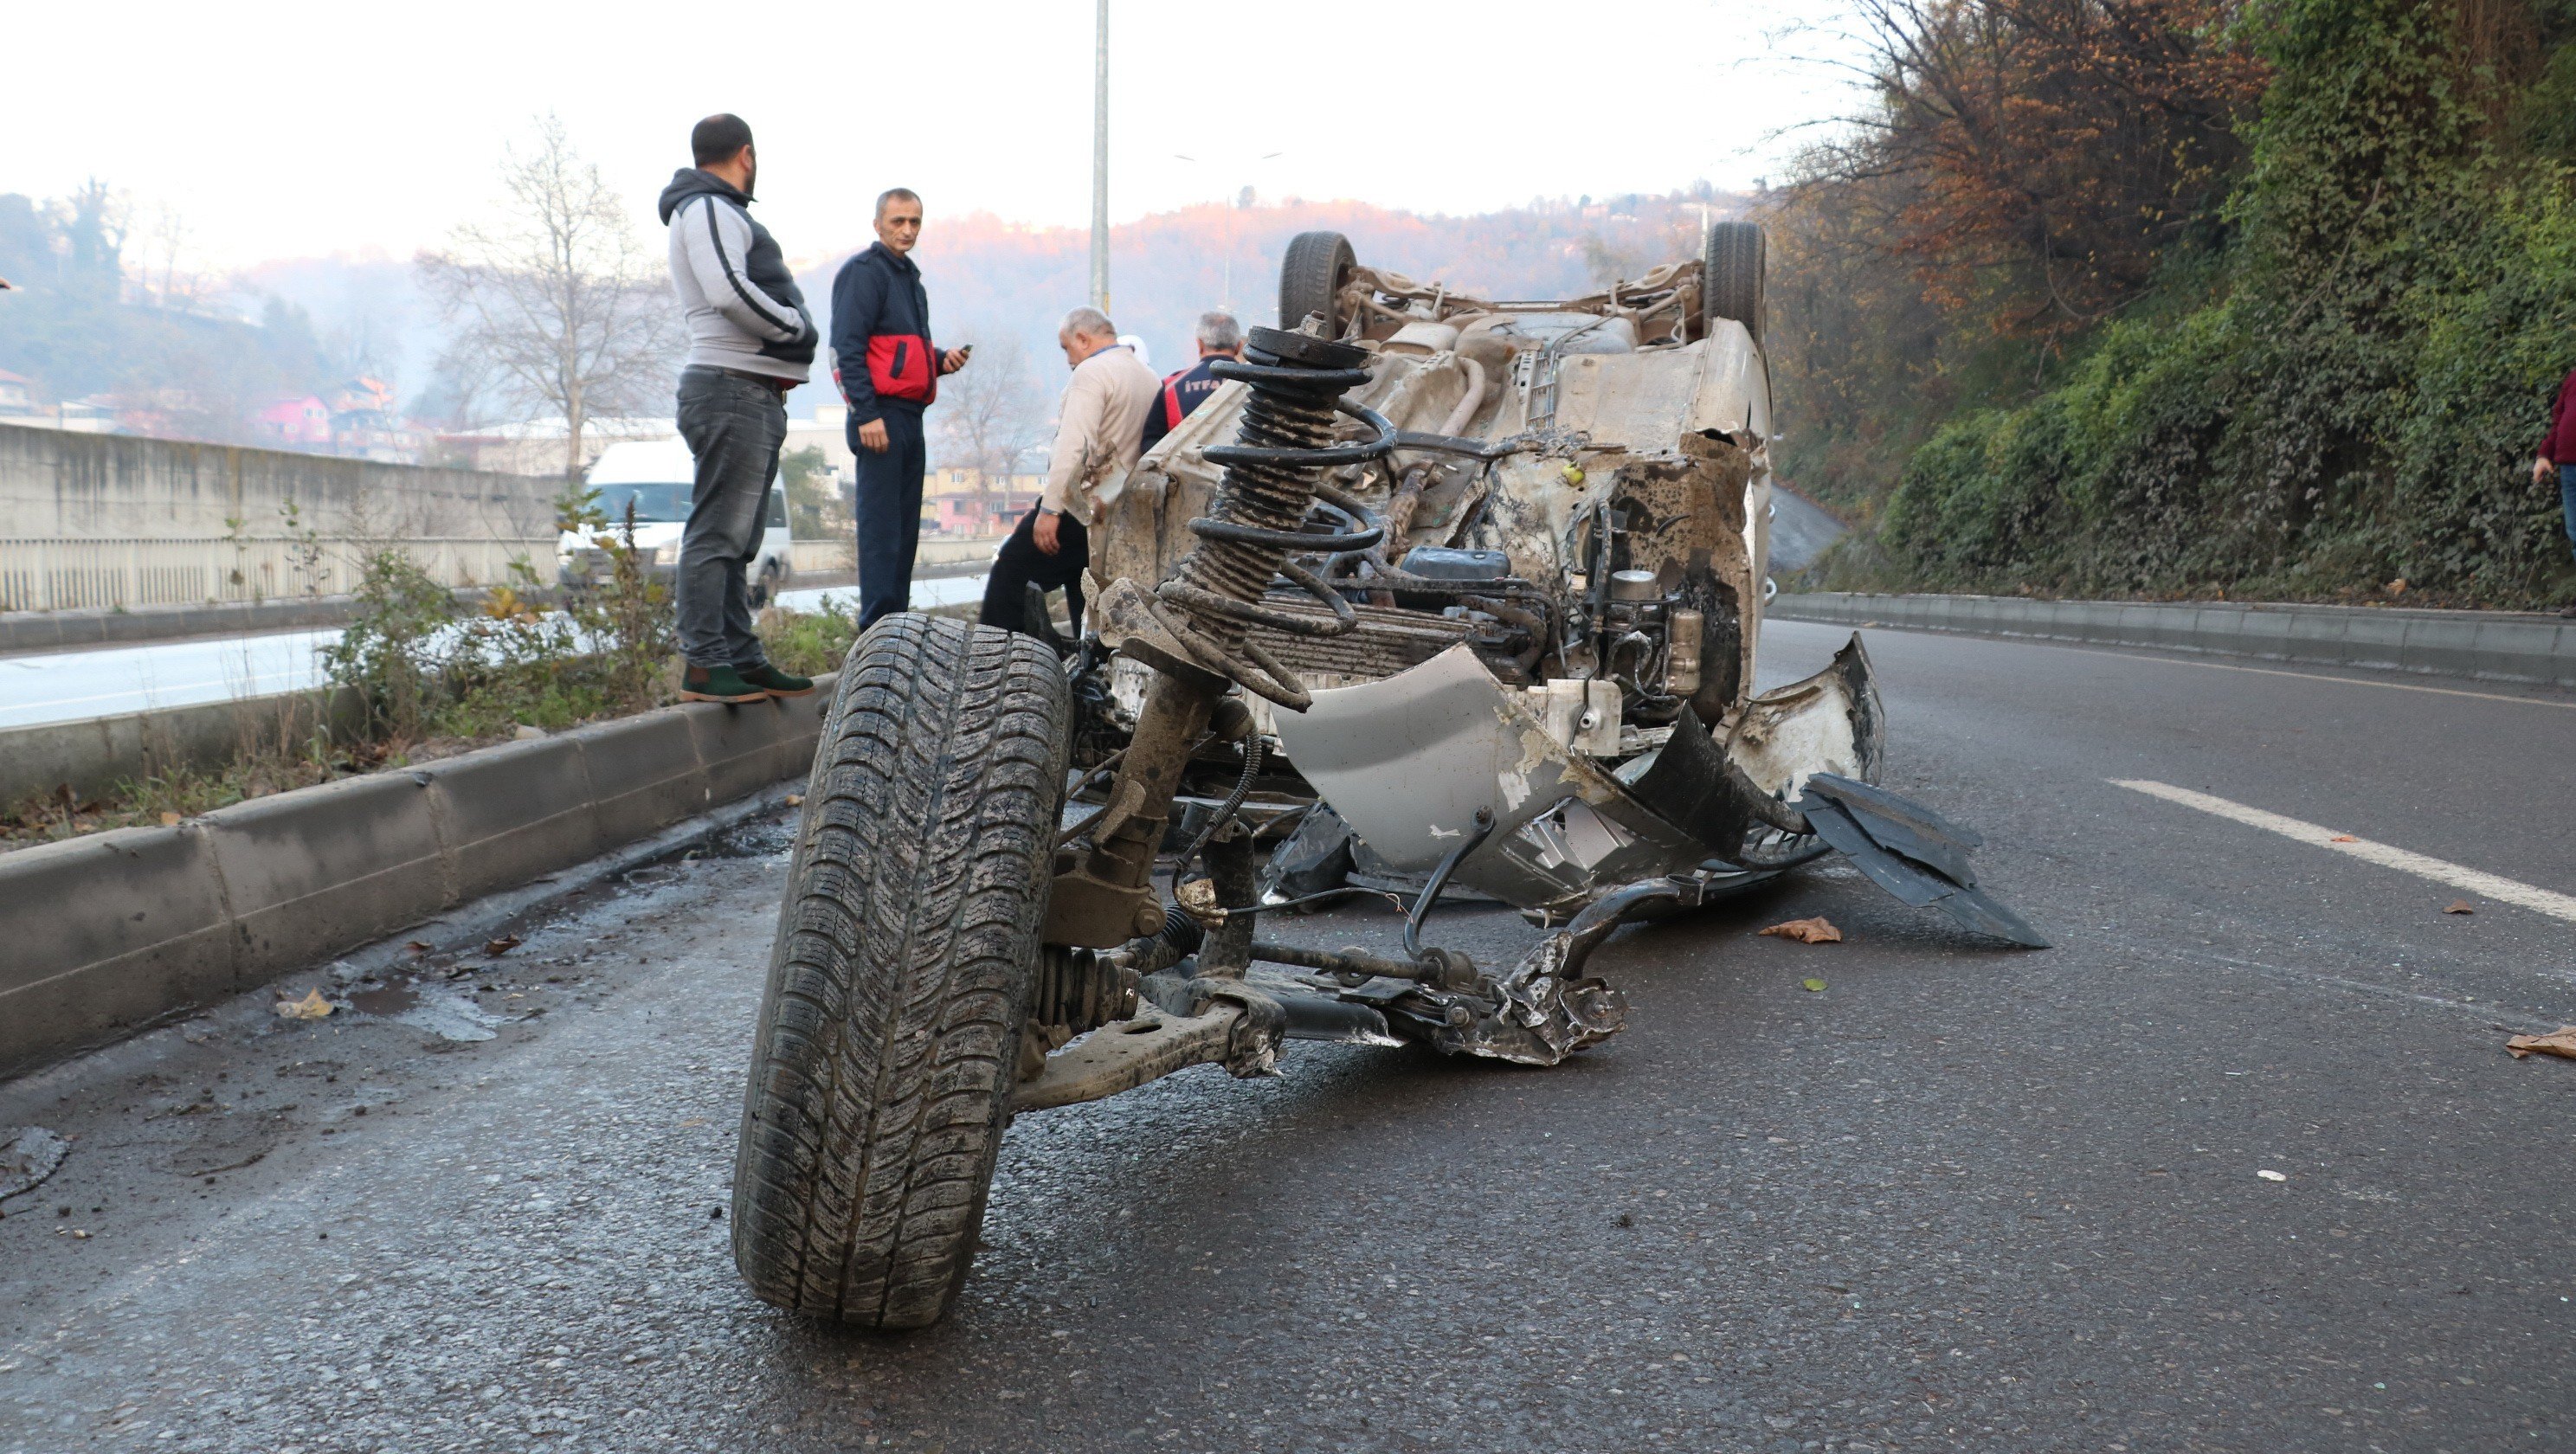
[[1912, 852]]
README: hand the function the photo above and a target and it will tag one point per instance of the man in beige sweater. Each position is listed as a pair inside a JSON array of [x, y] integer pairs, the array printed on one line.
[[1097, 431]]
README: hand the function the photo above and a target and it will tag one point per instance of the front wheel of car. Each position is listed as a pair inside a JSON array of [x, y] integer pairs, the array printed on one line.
[[889, 1037]]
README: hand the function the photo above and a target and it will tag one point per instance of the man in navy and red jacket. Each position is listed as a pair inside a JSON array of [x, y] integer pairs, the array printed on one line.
[[1219, 336], [889, 373]]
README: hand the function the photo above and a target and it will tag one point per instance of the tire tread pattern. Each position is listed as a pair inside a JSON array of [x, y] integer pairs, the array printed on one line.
[[889, 1030], [1310, 275], [1731, 275]]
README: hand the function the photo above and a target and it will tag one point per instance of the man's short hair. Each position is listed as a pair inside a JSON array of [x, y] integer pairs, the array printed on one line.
[[719, 138], [1219, 333], [896, 194], [1088, 322]]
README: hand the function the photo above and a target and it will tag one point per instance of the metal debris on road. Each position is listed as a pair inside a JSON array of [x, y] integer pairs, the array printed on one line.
[[2561, 1042], [1819, 930], [31, 1155]]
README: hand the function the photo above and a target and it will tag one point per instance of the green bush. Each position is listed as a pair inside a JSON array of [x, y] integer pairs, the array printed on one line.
[[2359, 404]]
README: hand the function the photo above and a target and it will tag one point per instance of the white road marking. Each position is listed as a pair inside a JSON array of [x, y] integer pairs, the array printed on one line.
[[2502, 890]]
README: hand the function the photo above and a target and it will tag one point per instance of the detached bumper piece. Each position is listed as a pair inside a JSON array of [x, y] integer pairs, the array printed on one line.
[[1912, 852]]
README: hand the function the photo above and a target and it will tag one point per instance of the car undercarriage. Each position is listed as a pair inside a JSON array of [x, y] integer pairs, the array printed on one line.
[[1438, 595]]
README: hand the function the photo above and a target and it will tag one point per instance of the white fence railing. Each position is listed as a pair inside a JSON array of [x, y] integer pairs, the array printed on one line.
[[61, 575]]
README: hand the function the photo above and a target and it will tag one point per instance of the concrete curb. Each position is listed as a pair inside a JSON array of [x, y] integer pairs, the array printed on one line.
[[25, 633], [102, 935], [2485, 646], [91, 754]]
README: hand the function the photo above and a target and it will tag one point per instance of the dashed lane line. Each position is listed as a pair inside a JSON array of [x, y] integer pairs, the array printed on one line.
[[2494, 886]]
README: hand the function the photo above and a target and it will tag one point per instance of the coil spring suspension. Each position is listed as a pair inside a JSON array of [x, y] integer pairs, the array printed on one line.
[[1259, 515]]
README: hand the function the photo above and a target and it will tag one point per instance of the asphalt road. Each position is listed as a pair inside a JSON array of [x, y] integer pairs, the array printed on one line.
[[70, 686], [1961, 1198]]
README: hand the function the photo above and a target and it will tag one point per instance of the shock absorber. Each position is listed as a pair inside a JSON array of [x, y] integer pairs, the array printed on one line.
[[1193, 629], [1283, 444]]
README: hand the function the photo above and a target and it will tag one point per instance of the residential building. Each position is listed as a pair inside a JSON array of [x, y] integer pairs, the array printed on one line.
[[955, 502], [299, 423]]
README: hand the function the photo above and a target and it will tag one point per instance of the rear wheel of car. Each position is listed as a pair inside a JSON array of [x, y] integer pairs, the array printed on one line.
[[1731, 276], [890, 1032], [1311, 278]]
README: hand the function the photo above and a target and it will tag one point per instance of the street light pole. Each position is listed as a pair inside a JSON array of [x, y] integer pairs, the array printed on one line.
[[1100, 163]]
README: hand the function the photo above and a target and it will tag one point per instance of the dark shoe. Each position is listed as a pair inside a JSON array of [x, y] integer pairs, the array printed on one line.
[[775, 682], [717, 684]]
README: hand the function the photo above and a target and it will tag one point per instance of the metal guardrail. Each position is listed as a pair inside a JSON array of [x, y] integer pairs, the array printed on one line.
[[62, 575], [2501, 646]]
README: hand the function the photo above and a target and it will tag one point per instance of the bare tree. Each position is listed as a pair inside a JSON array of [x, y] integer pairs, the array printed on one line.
[[990, 414], [555, 302]]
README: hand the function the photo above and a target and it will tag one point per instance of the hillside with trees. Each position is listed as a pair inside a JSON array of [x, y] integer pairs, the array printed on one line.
[[2263, 298], [86, 318]]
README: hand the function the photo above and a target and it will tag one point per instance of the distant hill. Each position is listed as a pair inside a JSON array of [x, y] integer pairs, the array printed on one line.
[[990, 278], [89, 323]]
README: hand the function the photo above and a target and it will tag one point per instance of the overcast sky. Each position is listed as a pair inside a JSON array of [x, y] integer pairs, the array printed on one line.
[[295, 129]]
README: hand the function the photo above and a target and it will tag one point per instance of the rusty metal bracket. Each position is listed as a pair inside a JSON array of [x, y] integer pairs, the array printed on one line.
[[1127, 1054]]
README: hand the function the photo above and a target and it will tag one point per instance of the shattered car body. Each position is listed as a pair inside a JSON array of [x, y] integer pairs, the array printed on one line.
[[1542, 688], [1437, 594]]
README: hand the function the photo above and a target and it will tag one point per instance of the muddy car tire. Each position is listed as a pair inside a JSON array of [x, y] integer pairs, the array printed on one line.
[[1311, 278], [1731, 270], [889, 1034]]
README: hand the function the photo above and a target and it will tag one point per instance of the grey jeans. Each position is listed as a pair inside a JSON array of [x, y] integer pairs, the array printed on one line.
[[734, 427]]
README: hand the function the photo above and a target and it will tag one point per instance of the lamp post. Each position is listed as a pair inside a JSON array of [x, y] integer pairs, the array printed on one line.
[[1100, 162]]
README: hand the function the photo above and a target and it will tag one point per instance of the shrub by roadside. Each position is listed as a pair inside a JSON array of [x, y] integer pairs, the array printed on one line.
[[435, 679]]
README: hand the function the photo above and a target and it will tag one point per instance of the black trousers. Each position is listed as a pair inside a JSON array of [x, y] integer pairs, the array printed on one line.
[[1019, 564]]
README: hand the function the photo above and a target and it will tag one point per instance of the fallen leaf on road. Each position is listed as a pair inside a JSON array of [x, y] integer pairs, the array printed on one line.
[[311, 1007], [502, 945], [2561, 1041], [419, 946], [169, 820], [2461, 906], [693, 1121], [2343, 838], [796, 800], [2270, 1175], [1813, 986], [1808, 931]]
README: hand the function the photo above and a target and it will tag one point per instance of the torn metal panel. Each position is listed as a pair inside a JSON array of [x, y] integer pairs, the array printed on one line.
[[1830, 722], [1409, 761]]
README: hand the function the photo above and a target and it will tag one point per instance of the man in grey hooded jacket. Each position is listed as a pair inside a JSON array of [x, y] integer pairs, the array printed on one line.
[[750, 341]]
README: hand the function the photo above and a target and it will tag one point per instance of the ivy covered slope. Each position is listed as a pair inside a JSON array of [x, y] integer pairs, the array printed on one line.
[[2331, 379]]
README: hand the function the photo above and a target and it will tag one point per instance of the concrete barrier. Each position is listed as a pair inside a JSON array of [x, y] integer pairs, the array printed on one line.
[[90, 755], [2498, 646], [26, 631], [102, 935]]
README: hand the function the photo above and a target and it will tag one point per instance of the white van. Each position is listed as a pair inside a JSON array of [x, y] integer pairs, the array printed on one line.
[[656, 477]]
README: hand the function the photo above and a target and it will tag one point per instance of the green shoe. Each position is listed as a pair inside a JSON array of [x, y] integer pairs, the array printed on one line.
[[717, 684], [775, 682]]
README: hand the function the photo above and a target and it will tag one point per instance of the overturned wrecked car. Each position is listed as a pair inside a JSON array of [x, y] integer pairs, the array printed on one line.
[[1438, 595]]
